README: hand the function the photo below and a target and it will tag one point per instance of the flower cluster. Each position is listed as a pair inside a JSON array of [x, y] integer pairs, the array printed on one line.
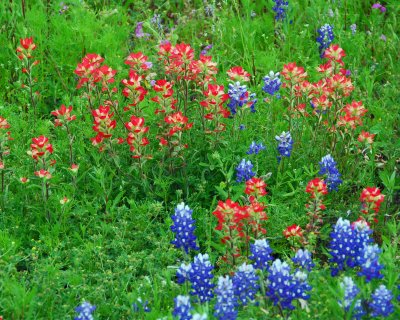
[[261, 254], [244, 171], [240, 98], [245, 283], [368, 261], [255, 148], [226, 301], [317, 189], [328, 167], [5, 136], [353, 114], [381, 303], [103, 125], [351, 291], [280, 8], [348, 243], [285, 145], [136, 139], [26, 49], [200, 277], [303, 259], [325, 38], [213, 104], [85, 311], [63, 116], [255, 188], [184, 228], [381, 8], [371, 200], [133, 88], [182, 308], [272, 83], [284, 287]]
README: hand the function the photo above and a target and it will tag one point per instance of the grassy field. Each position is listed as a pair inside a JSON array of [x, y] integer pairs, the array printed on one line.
[[160, 116]]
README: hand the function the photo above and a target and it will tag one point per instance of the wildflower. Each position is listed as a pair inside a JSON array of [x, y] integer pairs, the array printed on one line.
[[353, 29], [74, 168], [183, 228], [334, 53], [182, 308], [293, 73], [255, 148], [240, 97], [24, 180], [379, 6], [206, 49], [293, 231], [371, 200], [27, 47], [285, 145], [316, 187], [261, 254], [178, 122], [156, 20], [135, 137], [303, 259], [63, 115], [255, 187], [64, 200], [244, 171], [182, 273], [283, 287], [350, 292], [103, 124], [366, 137], [139, 31], [383, 37], [226, 302], [368, 260], [238, 74], [280, 8], [245, 283], [141, 304], [325, 38], [85, 311], [381, 303], [200, 277], [42, 173], [272, 83], [40, 147], [328, 166]]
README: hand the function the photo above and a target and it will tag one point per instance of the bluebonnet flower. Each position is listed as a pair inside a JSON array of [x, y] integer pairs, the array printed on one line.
[[328, 166], [239, 97], [347, 243], [280, 8], [200, 277], [303, 259], [85, 311], [381, 304], [141, 305], [272, 83], [368, 260], [285, 145], [242, 127], [244, 171], [182, 308], [283, 287], [184, 227], [353, 29], [261, 254], [325, 38], [206, 49], [398, 297], [183, 273], [226, 302], [350, 292], [245, 283], [255, 148]]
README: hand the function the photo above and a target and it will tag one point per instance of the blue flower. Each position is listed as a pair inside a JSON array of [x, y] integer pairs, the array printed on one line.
[[255, 148], [201, 277], [183, 273], [283, 287], [244, 171], [350, 292], [184, 228], [85, 311], [141, 305], [368, 260], [353, 29], [272, 83], [328, 166], [285, 145], [280, 8], [239, 97], [245, 283], [226, 302], [303, 259], [182, 308], [325, 38], [261, 254], [381, 303], [347, 243]]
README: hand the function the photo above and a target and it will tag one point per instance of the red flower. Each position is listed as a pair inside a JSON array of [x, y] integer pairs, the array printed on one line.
[[372, 199], [255, 187], [40, 147], [103, 124], [238, 74], [4, 124], [366, 137], [63, 114], [316, 187], [293, 72], [42, 173], [293, 231], [27, 47], [335, 53]]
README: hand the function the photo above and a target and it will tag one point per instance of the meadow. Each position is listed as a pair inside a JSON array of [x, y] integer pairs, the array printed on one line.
[[196, 159]]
